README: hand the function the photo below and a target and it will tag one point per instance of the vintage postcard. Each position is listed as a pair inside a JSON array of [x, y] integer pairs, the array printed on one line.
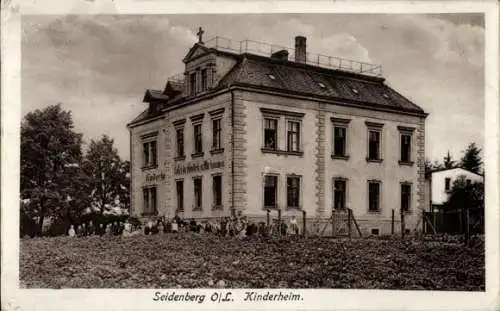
[[250, 155]]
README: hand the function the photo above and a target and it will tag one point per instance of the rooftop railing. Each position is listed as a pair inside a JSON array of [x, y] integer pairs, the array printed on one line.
[[265, 49], [178, 78]]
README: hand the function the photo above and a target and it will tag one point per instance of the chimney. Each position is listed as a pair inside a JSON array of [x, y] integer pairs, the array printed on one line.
[[300, 49], [281, 55]]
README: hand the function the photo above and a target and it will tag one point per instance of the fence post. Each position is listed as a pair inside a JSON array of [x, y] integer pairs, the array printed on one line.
[[279, 222], [304, 223], [402, 223], [349, 216], [392, 221], [268, 219]]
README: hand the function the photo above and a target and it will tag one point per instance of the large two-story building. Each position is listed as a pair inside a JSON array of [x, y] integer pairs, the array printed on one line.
[[251, 127]]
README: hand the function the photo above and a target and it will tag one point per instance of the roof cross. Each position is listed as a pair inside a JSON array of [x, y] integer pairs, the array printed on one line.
[[200, 35]]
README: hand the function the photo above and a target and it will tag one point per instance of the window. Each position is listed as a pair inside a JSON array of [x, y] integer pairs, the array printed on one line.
[[406, 148], [469, 182], [293, 136], [149, 154], [216, 134], [293, 191], [339, 141], [197, 193], [270, 133], [339, 194], [217, 191], [192, 84], [405, 197], [198, 141], [373, 196], [270, 191], [149, 196], [179, 187], [180, 142], [373, 145], [447, 184], [204, 79]]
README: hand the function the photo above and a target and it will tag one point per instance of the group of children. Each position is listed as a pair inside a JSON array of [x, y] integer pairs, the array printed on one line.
[[226, 226]]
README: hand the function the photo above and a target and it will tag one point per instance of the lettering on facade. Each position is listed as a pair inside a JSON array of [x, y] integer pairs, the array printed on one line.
[[198, 167], [154, 177]]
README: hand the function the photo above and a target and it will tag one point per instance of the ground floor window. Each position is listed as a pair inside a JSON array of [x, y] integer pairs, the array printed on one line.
[[179, 185], [293, 191], [150, 201], [270, 191], [405, 197], [374, 196], [339, 194], [197, 193], [217, 191]]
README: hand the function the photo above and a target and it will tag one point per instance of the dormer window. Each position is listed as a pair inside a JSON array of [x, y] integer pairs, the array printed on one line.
[[192, 83], [321, 85], [204, 80]]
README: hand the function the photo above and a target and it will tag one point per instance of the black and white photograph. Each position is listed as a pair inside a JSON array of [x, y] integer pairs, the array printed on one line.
[[245, 159]]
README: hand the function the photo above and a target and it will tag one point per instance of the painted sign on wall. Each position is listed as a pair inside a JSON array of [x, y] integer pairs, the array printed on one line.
[[154, 177], [197, 167]]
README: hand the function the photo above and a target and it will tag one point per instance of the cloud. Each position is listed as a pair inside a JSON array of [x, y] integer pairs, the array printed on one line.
[[346, 46]]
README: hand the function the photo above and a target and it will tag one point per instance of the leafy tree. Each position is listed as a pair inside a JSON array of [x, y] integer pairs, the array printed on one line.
[[471, 159], [464, 195], [448, 162], [50, 148], [109, 175]]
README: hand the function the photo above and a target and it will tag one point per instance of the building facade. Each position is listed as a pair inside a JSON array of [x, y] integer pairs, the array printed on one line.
[[288, 130]]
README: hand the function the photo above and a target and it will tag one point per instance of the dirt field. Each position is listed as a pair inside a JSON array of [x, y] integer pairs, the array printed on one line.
[[192, 261]]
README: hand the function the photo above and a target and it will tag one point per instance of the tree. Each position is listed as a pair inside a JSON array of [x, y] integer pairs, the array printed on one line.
[[448, 161], [49, 149], [471, 159], [465, 195], [108, 174]]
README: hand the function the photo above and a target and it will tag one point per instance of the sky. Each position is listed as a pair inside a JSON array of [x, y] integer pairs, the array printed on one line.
[[99, 66]]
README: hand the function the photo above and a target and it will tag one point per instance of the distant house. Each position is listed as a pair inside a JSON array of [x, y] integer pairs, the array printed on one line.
[[439, 183]]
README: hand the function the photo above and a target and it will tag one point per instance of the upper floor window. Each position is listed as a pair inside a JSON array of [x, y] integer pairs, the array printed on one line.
[[373, 196], [374, 141], [204, 79], [197, 122], [293, 191], [340, 138], [192, 83], [179, 132], [270, 133], [149, 154], [216, 134], [198, 138], [405, 144], [293, 136]]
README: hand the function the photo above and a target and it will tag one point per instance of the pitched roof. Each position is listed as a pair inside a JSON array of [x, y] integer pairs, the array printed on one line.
[[291, 77], [437, 170], [154, 95]]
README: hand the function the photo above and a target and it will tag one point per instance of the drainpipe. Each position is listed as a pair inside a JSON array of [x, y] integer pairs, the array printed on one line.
[[232, 154]]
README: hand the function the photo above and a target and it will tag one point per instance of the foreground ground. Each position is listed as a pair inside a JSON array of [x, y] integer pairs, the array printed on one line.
[[188, 260]]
